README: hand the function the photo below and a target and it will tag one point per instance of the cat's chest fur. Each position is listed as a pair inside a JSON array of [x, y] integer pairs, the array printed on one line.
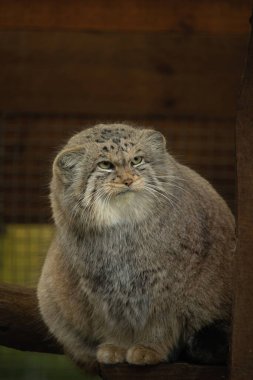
[[122, 274]]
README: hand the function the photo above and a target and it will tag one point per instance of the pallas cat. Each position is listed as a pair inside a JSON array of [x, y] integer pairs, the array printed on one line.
[[140, 269]]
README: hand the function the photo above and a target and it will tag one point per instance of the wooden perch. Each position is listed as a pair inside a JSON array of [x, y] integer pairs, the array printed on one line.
[[22, 328], [176, 371]]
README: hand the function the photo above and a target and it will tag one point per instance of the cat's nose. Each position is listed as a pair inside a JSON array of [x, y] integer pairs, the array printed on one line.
[[128, 181]]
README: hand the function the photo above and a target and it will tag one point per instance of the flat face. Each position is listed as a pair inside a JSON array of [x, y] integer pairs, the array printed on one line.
[[117, 172]]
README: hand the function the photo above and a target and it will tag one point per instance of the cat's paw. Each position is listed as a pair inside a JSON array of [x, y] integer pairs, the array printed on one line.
[[141, 355], [110, 354]]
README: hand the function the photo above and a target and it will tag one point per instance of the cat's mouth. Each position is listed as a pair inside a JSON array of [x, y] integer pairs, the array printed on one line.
[[124, 191]]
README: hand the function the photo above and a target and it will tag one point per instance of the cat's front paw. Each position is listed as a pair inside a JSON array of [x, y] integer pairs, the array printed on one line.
[[141, 355], [110, 354]]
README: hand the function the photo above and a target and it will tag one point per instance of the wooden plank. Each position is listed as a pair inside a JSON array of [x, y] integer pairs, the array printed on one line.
[[242, 348], [30, 144], [121, 75], [218, 16], [177, 371]]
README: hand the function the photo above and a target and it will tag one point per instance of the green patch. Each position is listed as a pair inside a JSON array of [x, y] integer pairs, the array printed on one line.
[[18, 365], [22, 251]]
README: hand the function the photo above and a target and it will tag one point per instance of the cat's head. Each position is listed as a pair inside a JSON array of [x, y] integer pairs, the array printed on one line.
[[109, 174]]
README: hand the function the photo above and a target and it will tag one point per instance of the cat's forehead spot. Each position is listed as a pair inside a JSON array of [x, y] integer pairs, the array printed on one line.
[[116, 140], [113, 139], [115, 144], [114, 133], [123, 145]]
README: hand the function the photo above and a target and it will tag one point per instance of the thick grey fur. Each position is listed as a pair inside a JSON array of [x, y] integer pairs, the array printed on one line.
[[143, 255]]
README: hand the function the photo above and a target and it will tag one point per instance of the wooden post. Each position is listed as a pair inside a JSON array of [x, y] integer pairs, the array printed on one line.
[[242, 340]]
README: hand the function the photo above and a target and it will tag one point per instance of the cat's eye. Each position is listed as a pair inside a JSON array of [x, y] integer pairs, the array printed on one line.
[[106, 165], [137, 160]]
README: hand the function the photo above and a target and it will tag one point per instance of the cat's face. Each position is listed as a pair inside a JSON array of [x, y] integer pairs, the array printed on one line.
[[111, 174]]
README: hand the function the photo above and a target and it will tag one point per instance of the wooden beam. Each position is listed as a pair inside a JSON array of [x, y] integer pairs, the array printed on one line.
[[215, 17], [21, 326], [175, 371], [242, 347]]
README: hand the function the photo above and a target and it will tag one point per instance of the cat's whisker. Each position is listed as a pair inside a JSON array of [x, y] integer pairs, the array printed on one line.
[[152, 189], [161, 191], [173, 205], [98, 196], [182, 189], [74, 211], [92, 202], [173, 185], [171, 177], [95, 196]]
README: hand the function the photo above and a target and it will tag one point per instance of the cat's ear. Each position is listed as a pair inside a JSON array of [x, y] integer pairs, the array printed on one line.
[[156, 139], [66, 162]]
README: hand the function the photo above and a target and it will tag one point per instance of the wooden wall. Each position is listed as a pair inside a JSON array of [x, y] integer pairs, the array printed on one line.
[[174, 65]]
